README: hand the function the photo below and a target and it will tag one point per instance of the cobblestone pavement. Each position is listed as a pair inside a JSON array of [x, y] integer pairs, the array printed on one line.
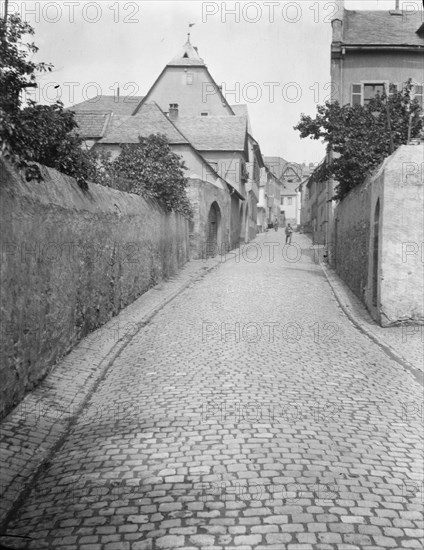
[[404, 341], [249, 413]]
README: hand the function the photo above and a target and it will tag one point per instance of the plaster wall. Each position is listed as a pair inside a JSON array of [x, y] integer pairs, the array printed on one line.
[[71, 260], [399, 187], [366, 66]]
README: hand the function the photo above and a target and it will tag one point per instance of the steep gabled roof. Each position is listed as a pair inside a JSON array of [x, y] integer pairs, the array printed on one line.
[[214, 133], [124, 105], [192, 59], [149, 120], [382, 28]]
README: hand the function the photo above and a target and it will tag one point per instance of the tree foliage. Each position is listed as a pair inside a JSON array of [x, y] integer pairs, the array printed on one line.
[[150, 169], [362, 136], [35, 133]]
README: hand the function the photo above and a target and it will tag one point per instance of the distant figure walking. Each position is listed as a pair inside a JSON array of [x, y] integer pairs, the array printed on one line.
[[289, 232], [276, 224]]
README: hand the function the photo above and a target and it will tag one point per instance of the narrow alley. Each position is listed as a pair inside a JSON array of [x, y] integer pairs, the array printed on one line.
[[249, 413]]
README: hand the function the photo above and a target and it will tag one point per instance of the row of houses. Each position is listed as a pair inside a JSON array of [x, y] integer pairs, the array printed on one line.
[[235, 191], [371, 51]]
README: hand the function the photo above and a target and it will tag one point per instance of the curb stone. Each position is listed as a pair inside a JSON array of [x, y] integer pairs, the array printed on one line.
[[348, 307], [23, 438]]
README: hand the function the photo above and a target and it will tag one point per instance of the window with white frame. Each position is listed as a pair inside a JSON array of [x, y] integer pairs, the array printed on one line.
[[417, 92], [363, 92], [189, 78], [290, 200]]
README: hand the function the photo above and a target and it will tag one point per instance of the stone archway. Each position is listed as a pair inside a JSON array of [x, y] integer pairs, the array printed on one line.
[[213, 230]]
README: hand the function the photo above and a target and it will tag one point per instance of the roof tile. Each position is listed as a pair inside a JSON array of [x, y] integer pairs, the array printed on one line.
[[125, 105], [214, 133], [149, 120], [382, 28]]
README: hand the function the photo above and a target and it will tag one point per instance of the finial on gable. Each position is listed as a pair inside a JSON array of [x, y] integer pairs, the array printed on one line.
[[188, 34], [188, 54]]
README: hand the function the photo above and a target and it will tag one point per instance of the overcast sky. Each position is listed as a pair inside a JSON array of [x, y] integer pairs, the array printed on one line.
[[96, 45]]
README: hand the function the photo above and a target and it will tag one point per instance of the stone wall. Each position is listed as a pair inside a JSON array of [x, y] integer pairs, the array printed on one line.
[[71, 260], [380, 257], [350, 241]]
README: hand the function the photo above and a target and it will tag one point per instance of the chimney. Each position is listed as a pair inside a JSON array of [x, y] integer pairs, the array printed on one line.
[[397, 10], [337, 21], [173, 111]]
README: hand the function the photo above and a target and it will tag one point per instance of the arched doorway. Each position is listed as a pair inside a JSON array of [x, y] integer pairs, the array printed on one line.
[[213, 231], [376, 233]]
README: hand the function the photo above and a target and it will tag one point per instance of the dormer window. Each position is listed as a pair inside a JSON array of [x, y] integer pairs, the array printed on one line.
[[204, 113]]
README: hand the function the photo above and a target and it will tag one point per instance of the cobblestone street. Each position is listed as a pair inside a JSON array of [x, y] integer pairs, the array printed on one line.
[[249, 413]]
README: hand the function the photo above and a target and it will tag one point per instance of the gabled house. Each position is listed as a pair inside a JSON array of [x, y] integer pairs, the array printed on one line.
[[189, 99], [213, 137], [289, 175]]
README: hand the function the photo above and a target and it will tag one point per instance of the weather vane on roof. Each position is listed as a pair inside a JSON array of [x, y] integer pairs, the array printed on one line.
[[188, 34]]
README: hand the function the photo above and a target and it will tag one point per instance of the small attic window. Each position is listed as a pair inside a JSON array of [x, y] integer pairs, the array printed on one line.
[[185, 55]]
